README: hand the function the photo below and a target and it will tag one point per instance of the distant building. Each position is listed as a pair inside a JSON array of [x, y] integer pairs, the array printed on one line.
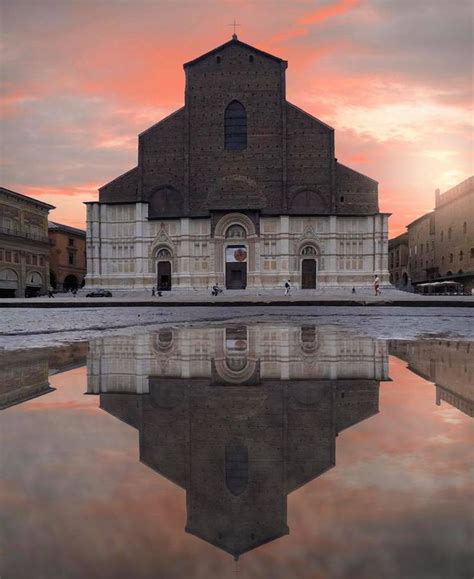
[[24, 245], [398, 261], [67, 257], [440, 243], [455, 233], [239, 187], [421, 249]]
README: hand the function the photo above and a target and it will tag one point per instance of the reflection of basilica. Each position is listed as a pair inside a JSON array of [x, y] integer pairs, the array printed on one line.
[[447, 363], [239, 417]]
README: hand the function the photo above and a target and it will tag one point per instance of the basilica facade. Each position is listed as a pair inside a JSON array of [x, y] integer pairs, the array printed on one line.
[[238, 187]]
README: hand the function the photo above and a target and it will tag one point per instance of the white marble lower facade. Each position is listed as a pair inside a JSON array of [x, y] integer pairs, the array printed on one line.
[[127, 251]]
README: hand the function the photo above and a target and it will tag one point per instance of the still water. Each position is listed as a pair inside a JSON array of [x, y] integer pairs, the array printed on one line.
[[240, 451]]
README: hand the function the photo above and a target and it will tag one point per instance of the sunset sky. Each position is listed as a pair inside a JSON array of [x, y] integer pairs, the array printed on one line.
[[81, 78]]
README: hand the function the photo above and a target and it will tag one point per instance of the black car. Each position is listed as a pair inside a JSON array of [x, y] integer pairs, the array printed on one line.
[[99, 293]]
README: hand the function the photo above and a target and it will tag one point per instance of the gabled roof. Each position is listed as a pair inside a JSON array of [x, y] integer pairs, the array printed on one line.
[[339, 164], [53, 226], [26, 198], [234, 41]]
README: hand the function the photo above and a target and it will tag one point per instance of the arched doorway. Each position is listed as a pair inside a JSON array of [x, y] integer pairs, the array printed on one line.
[[163, 279], [235, 257], [308, 267], [8, 283], [34, 284], [70, 283]]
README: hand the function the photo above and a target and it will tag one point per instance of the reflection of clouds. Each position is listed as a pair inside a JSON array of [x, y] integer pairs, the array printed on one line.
[[410, 474], [450, 415], [112, 517]]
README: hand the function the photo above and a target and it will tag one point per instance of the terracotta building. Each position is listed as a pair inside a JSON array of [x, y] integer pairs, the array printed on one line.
[[24, 245], [68, 256], [240, 187], [440, 243]]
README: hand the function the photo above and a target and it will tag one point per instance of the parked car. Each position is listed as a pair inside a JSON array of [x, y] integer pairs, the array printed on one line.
[[99, 293]]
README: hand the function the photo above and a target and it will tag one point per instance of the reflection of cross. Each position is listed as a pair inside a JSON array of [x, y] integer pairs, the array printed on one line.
[[234, 24]]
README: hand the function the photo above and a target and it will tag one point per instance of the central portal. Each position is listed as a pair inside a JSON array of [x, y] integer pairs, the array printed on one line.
[[236, 267], [164, 276]]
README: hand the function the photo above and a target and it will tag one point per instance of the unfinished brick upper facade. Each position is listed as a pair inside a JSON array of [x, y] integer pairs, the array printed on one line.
[[287, 167]]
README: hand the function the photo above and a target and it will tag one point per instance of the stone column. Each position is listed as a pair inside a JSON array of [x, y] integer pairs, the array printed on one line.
[[284, 252], [140, 245], [330, 257]]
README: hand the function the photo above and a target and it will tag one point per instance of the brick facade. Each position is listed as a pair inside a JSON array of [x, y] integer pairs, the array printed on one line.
[[286, 168], [68, 256]]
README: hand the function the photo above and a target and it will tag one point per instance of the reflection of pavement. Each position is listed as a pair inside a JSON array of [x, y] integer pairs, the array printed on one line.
[[33, 328]]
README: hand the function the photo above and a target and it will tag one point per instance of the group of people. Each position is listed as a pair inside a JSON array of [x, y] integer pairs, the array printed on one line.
[[216, 289]]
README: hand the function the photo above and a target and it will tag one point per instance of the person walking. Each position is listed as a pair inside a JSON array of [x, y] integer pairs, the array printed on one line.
[[377, 285], [50, 292], [287, 288], [153, 292]]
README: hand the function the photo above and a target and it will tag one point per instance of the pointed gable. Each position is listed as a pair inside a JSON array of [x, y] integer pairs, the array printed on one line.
[[234, 42]]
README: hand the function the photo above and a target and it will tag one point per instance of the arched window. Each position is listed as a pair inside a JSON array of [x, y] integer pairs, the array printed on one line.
[[235, 232], [235, 127]]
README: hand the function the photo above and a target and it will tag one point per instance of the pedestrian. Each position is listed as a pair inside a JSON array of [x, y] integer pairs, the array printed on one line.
[[377, 285], [287, 288], [153, 292], [50, 292], [353, 290], [74, 292]]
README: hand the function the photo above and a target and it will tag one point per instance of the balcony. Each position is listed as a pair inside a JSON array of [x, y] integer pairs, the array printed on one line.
[[23, 235]]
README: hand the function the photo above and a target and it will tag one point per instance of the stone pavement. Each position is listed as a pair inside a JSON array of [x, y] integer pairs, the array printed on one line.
[[332, 297]]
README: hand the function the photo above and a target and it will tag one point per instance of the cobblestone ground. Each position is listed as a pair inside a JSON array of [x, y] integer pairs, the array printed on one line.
[[31, 327]]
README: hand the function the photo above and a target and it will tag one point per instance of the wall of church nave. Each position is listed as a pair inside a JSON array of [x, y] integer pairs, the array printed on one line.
[[312, 251]]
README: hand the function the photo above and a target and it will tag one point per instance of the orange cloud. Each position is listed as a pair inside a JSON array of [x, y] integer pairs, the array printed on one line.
[[322, 14]]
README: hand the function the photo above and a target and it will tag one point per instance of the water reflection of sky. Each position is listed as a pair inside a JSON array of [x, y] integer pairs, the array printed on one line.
[[77, 500]]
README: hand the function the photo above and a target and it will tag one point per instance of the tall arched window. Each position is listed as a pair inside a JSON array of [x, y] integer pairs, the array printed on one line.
[[235, 127]]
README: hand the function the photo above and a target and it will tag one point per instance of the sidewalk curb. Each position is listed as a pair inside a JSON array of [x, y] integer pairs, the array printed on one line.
[[405, 303]]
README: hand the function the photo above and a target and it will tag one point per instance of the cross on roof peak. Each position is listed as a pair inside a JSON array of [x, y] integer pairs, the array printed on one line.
[[234, 24]]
